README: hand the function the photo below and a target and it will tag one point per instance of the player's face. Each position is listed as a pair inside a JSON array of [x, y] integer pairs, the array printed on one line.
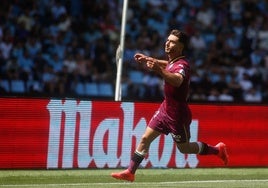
[[172, 45]]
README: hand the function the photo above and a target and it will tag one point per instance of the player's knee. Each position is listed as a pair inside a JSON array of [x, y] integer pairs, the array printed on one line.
[[144, 139]]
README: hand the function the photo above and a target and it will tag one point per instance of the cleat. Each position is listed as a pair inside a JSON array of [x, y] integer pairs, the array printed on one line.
[[222, 152], [124, 175]]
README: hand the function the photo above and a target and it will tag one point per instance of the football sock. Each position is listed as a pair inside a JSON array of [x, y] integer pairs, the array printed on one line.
[[206, 149], [135, 161]]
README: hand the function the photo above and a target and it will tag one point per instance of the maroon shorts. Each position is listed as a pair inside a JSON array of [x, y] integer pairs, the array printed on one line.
[[179, 128]]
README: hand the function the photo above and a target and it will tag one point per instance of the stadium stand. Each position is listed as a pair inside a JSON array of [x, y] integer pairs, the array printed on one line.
[[56, 44]]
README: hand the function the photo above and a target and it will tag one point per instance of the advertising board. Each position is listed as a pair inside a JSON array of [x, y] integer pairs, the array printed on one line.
[[71, 133]]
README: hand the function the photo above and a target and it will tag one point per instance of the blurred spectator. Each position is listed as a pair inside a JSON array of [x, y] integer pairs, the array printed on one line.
[[33, 46], [263, 36], [236, 8], [225, 96], [57, 9], [153, 86], [256, 57], [64, 23], [6, 46], [205, 15], [69, 63], [64, 78], [235, 88], [252, 95], [12, 70], [198, 44], [213, 95], [232, 42], [82, 68], [198, 95], [56, 63], [26, 64], [245, 82], [26, 19], [49, 80]]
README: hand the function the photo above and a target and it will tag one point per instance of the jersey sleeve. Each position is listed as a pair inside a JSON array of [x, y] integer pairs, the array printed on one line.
[[181, 69]]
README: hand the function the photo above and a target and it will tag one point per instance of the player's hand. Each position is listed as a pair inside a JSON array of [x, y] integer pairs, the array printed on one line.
[[153, 64], [140, 58], [150, 62]]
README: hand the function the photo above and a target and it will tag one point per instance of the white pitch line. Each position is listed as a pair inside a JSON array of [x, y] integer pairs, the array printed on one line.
[[215, 181], [135, 183]]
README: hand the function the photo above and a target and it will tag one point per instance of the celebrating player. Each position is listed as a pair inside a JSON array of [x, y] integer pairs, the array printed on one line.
[[173, 115]]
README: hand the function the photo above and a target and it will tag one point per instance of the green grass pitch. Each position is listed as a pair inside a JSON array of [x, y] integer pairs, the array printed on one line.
[[145, 178]]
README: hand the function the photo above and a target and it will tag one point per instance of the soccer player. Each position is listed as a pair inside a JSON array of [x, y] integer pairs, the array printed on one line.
[[173, 116]]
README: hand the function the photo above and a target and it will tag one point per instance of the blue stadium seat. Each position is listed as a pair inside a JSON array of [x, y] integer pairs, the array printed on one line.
[[34, 85], [80, 88], [17, 86], [91, 89], [136, 77], [105, 90], [124, 89], [5, 85]]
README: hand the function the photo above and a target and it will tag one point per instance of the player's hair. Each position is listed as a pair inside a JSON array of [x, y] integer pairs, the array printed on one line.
[[182, 36]]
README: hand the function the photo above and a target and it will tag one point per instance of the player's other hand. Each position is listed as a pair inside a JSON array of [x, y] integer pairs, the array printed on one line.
[[140, 58], [153, 64]]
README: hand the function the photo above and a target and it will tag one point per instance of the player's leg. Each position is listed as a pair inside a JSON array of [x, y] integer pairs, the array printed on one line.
[[219, 150], [197, 148], [142, 148], [202, 148], [138, 156], [182, 136]]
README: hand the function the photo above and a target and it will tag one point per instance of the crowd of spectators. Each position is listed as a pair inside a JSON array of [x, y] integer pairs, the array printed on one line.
[[54, 45]]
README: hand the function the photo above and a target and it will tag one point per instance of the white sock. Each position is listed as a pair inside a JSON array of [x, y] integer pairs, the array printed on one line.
[[142, 153]]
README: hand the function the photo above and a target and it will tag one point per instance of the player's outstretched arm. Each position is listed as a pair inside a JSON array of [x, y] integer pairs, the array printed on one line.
[[141, 58], [161, 63], [174, 79]]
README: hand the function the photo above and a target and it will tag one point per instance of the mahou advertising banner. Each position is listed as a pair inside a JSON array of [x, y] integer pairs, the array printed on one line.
[[71, 133]]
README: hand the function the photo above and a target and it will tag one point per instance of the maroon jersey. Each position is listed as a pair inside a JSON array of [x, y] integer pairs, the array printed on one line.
[[175, 102], [174, 115]]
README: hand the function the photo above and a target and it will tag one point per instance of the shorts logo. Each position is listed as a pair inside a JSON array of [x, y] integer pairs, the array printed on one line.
[[177, 138]]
